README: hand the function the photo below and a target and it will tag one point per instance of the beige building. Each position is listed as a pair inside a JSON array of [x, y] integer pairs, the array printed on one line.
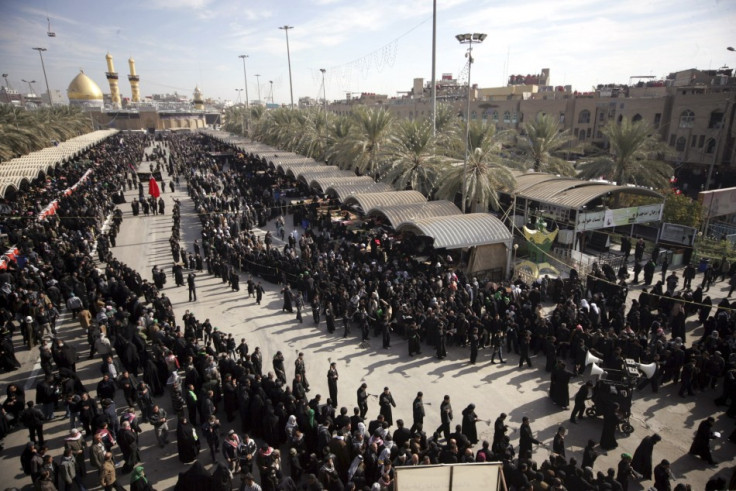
[[692, 111]]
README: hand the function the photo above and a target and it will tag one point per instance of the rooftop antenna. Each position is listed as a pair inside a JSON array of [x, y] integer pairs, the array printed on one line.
[[49, 32]]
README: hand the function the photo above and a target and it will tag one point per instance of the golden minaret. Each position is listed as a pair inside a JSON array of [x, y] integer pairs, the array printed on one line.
[[134, 79], [112, 79], [198, 100]]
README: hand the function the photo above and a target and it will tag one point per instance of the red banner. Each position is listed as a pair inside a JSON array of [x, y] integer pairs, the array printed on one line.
[[153, 188]]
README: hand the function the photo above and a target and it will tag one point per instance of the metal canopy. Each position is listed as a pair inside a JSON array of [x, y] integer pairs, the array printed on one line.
[[309, 175], [370, 200], [397, 214], [323, 182], [567, 192], [343, 191], [460, 231]]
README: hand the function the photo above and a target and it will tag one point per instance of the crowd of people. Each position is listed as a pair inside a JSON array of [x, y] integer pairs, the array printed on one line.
[[155, 360]]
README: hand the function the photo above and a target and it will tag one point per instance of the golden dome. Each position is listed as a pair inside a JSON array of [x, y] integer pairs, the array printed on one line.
[[83, 88]]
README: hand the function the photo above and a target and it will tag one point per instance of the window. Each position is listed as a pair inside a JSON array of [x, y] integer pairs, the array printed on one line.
[[576, 131], [701, 140], [582, 136], [687, 119], [657, 119], [620, 118], [473, 115], [494, 116], [562, 118], [716, 119], [506, 117], [710, 147], [584, 117], [588, 132], [485, 116], [598, 135], [680, 144], [601, 116], [693, 140], [637, 117], [514, 117]]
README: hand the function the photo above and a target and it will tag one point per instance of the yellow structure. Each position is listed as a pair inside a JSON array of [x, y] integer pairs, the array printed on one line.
[[134, 80], [83, 91], [198, 100], [112, 79]]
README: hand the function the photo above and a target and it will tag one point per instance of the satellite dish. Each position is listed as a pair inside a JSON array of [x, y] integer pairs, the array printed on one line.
[[49, 32]]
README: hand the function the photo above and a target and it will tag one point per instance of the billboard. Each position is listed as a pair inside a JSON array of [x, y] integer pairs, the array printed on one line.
[[719, 202], [673, 233], [621, 216]]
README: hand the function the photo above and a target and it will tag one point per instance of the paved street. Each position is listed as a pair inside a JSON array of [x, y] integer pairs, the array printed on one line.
[[494, 388]]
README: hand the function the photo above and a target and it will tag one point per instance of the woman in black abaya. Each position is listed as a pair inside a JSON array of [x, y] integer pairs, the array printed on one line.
[[187, 441]]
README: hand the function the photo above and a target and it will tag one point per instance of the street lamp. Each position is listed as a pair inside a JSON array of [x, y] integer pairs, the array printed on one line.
[[239, 91], [30, 87], [271, 82], [324, 90], [468, 39], [258, 83], [288, 55], [43, 67], [245, 79]]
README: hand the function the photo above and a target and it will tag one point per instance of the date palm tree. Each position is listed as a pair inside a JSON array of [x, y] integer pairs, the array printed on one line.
[[486, 171], [410, 158], [363, 148], [633, 157], [540, 142]]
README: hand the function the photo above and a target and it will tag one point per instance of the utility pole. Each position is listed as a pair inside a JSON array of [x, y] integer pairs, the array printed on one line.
[[48, 91], [324, 90], [288, 55], [434, 61]]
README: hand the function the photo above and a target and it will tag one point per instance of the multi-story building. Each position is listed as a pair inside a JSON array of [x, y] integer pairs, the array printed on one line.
[[691, 110]]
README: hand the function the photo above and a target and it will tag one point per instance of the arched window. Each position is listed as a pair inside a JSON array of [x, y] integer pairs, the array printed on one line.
[[637, 117], [507, 117], [687, 119], [710, 147], [716, 118], [584, 117], [494, 116], [680, 144]]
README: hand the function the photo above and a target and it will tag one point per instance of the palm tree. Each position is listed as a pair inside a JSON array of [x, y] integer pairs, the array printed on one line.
[[23, 131], [485, 173], [448, 124], [314, 134], [632, 157], [340, 129], [540, 142], [410, 160], [363, 148]]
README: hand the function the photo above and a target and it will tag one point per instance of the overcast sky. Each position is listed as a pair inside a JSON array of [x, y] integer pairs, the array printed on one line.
[[375, 46]]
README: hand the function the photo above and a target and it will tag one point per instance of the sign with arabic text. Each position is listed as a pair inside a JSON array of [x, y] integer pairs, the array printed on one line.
[[620, 216]]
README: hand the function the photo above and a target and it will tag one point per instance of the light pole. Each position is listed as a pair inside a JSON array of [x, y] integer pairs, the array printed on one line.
[[434, 61], [239, 91], [288, 56], [468, 39], [43, 67], [271, 82], [245, 79], [258, 83], [324, 90], [30, 87]]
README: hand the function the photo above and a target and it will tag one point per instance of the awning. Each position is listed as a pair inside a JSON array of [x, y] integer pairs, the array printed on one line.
[[370, 200], [322, 182], [397, 214], [460, 231], [343, 191]]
